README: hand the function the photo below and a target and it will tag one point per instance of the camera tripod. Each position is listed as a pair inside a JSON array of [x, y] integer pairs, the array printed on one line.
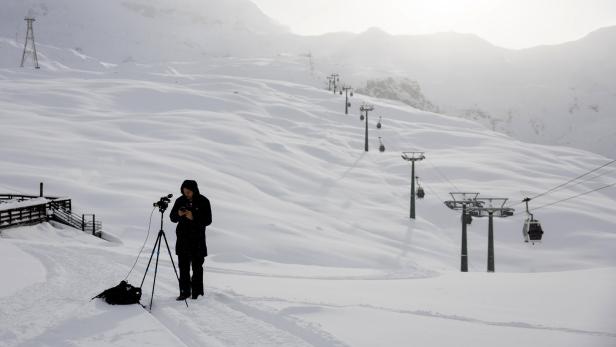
[[162, 205]]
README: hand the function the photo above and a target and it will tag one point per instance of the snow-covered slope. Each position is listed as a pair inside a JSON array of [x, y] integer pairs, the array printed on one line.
[[311, 243], [282, 156], [309, 230], [551, 95], [144, 31], [557, 94]]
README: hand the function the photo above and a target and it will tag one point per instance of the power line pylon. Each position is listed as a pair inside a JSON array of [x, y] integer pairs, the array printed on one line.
[[30, 38], [413, 157]]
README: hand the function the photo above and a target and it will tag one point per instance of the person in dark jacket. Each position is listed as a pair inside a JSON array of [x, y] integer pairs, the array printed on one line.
[[193, 213]]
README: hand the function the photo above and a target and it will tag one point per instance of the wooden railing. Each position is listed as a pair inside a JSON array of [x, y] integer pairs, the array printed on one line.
[[23, 215], [85, 222], [58, 209]]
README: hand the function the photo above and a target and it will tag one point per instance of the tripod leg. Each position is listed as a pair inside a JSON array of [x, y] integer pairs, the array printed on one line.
[[172, 263], [155, 271], [150, 261], [171, 257]]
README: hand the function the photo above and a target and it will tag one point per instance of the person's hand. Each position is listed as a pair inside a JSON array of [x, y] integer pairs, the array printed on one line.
[[188, 215], [181, 212]]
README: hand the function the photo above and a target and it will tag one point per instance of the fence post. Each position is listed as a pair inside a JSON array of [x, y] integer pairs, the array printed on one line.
[[83, 222], [94, 224]]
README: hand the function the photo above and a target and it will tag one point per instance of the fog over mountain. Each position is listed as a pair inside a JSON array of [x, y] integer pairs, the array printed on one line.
[[550, 94], [562, 94], [144, 30], [312, 242]]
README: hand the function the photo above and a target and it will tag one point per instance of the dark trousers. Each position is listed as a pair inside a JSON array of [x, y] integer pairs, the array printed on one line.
[[188, 284]]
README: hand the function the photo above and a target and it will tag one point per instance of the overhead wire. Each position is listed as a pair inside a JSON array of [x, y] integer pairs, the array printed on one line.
[[435, 193], [573, 179], [594, 177], [574, 196], [443, 176], [563, 185]]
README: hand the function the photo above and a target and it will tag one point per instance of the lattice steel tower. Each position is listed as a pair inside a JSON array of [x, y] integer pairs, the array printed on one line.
[[30, 38]]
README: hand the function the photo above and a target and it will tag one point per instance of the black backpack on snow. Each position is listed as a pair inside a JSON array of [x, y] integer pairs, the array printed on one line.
[[122, 294]]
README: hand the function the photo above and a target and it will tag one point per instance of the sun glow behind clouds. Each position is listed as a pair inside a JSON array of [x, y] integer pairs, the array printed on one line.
[[507, 23]]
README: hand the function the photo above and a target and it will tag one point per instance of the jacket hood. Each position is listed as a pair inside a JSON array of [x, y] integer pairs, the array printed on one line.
[[190, 185]]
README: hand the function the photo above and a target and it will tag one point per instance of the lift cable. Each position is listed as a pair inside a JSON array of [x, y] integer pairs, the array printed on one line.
[[443, 176], [574, 179], [558, 187], [575, 196], [432, 191]]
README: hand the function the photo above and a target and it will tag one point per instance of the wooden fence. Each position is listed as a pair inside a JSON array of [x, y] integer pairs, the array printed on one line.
[[58, 209]]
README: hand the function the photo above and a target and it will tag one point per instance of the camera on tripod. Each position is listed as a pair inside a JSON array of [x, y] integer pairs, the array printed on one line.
[[163, 203]]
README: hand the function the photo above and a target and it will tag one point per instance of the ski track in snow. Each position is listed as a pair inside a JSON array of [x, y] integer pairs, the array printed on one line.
[[299, 306], [36, 315], [222, 318]]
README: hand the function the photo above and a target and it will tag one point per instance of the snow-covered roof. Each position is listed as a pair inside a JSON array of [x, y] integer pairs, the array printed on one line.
[[12, 204]]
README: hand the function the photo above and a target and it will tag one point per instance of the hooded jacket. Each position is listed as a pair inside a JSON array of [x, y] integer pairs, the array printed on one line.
[[191, 233]]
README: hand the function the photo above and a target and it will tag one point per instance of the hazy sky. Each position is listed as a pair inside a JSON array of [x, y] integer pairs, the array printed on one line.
[[505, 23]]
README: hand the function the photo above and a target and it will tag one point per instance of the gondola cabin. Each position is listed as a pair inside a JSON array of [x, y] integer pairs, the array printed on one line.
[[532, 231], [420, 193]]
